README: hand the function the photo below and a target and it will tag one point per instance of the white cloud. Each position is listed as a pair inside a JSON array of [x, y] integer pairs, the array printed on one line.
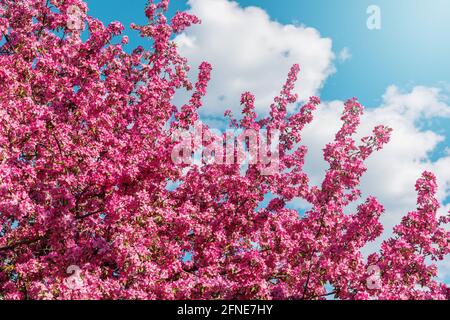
[[344, 55], [393, 171], [401, 161], [251, 52]]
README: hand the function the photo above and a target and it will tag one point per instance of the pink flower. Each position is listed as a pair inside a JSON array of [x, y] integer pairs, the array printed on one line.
[[87, 132]]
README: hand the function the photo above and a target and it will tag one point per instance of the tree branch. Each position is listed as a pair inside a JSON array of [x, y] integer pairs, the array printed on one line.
[[89, 214], [21, 243]]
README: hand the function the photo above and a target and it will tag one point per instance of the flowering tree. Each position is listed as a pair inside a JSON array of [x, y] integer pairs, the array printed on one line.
[[86, 145]]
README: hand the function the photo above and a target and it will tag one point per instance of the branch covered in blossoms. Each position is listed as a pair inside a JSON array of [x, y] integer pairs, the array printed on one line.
[[87, 132]]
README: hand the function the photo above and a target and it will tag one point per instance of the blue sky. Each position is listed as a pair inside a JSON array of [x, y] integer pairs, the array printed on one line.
[[412, 47], [401, 73]]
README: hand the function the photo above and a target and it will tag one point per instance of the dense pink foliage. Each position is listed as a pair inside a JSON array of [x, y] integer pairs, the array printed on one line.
[[85, 162]]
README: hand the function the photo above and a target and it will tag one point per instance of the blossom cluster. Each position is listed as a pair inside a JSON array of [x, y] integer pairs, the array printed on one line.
[[87, 179], [203, 145]]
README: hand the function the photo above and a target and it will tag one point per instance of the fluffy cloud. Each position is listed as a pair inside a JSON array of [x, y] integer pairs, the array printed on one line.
[[249, 51], [404, 158], [392, 172]]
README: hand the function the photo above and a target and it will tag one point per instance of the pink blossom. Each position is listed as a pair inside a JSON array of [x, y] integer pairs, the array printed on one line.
[[86, 179]]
